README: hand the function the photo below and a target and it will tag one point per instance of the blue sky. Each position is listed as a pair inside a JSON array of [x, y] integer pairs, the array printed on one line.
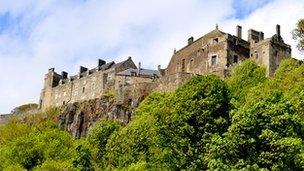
[[37, 35], [243, 8]]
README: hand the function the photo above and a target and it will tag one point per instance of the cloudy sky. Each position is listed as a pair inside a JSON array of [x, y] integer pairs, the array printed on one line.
[[36, 35]]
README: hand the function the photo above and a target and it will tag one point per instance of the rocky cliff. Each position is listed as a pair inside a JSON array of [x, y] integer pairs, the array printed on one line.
[[78, 118]]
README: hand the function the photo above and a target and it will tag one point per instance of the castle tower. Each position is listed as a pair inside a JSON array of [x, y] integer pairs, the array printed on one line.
[[268, 52], [51, 80]]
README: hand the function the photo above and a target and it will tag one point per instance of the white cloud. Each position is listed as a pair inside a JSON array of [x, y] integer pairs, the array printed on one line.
[[66, 34]]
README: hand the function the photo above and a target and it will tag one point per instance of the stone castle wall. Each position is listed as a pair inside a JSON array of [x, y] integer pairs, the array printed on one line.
[[214, 53], [90, 84]]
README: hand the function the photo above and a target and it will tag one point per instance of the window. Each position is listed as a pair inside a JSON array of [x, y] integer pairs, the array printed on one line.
[[83, 89], [63, 102], [213, 60], [276, 53], [235, 59], [198, 53], [191, 63], [256, 54], [183, 65], [215, 40], [133, 73]]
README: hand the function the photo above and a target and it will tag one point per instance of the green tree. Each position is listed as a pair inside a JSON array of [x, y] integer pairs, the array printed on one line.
[[82, 161], [265, 133], [99, 135], [298, 34], [245, 76], [25, 152], [285, 67], [170, 130]]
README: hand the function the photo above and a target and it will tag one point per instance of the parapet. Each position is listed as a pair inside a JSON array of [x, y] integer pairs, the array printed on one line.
[[255, 36], [63, 78]]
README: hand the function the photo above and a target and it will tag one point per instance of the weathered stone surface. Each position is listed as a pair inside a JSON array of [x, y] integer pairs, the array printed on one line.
[[79, 117], [4, 118], [215, 53]]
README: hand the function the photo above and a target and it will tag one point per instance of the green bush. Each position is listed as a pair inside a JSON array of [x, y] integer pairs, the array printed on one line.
[[99, 135]]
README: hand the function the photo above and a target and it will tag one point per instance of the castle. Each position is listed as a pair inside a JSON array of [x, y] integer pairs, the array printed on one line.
[[216, 52]]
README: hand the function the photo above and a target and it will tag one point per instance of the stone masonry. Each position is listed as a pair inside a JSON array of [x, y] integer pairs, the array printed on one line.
[[216, 53]]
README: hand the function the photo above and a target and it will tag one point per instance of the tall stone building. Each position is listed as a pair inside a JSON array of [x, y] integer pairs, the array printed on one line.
[[59, 89], [216, 52]]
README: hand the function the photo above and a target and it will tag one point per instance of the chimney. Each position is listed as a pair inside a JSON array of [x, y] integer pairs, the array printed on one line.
[[82, 69], [261, 36], [253, 35], [190, 40], [159, 67], [64, 75], [278, 29], [139, 68], [51, 69], [101, 62], [239, 31]]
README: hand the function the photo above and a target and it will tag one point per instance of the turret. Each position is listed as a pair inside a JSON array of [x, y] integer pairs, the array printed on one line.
[[278, 30], [51, 79], [101, 62], [239, 31], [190, 40]]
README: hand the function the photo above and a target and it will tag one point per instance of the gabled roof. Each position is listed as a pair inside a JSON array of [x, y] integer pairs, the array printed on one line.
[[107, 66]]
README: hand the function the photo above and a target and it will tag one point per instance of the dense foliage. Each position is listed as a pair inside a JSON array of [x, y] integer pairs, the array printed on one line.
[[298, 34], [246, 122]]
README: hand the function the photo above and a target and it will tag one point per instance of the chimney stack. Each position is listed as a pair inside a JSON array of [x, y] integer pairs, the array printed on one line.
[[190, 40], [261, 36], [64, 75], [82, 69], [139, 67], [239, 31], [159, 67], [278, 29], [51, 69], [101, 62]]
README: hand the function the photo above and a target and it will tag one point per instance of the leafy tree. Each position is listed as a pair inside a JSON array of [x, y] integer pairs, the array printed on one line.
[[245, 76], [170, 130], [54, 165], [298, 34], [12, 130], [286, 66], [202, 106], [23, 109], [267, 133], [25, 152], [83, 159], [99, 135]]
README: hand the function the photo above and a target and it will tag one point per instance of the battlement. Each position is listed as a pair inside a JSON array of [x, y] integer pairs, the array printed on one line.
[[102, 66], [60, 89], [216, 53]]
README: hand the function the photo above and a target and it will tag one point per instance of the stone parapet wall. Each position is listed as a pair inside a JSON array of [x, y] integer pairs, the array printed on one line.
[[172, 82]]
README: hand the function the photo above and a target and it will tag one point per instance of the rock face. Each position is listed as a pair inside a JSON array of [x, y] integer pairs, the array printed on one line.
[[79, 117], [4, 118]]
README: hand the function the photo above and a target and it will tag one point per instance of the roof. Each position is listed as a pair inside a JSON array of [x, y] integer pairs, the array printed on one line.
[[141, 72], [107, 66]]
